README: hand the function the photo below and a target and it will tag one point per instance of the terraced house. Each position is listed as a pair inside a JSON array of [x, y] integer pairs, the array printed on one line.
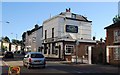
[[33, 39], [113, 43]]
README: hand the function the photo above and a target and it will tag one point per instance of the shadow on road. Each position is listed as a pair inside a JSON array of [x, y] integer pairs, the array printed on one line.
[[16, 58]]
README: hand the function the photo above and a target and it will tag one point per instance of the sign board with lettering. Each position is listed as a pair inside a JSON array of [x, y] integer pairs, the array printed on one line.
[[71, 29]]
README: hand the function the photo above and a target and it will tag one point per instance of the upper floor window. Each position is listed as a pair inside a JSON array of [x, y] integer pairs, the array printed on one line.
[[86, 50], [45, 34], [117, 36], [34, 39], [52, 32], [73, 16]]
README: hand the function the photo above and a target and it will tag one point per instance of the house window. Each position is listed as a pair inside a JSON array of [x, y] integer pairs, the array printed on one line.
[[117, 36], [45, 49], [45, 34], [34, 39], [86, 50], [49, 49], [73, 16], [52, 34], [69, 49], [116, 52], [53, 48]]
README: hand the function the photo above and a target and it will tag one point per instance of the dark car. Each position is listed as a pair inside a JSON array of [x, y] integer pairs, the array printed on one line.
[[8, 54]]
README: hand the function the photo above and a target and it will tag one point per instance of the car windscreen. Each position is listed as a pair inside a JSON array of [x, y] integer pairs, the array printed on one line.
[[37, 56]]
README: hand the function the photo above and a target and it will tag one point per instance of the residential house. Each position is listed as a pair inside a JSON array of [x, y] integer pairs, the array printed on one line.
[[6, 45], [33, 39], [15, 47], [67, 34], [113, 43]]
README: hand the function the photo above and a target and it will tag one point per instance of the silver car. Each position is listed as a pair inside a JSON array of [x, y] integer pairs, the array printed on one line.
[[34, 59]]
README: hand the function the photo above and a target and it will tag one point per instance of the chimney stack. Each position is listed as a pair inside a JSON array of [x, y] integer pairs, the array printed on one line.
[[68, 10], [36, 26]]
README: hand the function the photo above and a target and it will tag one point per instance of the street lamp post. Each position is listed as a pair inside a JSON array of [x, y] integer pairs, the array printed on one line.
[[77, 43], [1, 44]]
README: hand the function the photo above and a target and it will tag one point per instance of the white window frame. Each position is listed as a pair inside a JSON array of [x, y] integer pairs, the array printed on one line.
[[86, 50], [71, 47], [116, 53], [34, 39], [74, 16], [117, 36]]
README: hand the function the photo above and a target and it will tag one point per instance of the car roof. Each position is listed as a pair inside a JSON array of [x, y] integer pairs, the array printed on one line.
[[34, 53], [8, 52]]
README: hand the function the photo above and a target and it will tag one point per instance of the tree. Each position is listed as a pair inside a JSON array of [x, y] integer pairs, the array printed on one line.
[[14, 41], [4, 48], [116, 19], [6, 39]]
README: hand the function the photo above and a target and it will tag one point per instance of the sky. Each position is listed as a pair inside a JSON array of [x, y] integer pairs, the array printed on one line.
[[24, 15]]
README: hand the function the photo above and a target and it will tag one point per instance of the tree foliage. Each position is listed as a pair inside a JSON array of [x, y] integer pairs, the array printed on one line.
[[14, 41]]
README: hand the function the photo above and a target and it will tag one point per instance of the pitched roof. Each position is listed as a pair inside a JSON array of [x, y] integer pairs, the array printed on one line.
[[113, 25], [63, 14], [34, 29]]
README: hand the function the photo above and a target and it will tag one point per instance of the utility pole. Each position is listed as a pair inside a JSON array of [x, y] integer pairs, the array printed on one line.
[[77, 43], [1, 37]]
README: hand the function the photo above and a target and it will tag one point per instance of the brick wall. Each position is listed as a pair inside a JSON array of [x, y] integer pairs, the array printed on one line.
[[110, 42]]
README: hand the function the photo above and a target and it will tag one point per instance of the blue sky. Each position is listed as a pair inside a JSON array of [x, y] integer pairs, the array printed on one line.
[[24, 15]]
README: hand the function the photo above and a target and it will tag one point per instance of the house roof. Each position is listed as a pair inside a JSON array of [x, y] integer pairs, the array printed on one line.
[[78, 17], [63, 14], [85, 20], [34, 29], [113, 25]]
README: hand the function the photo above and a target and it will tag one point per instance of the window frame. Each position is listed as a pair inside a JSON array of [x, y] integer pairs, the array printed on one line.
[[116, 35], [68, 46], [116, 52]]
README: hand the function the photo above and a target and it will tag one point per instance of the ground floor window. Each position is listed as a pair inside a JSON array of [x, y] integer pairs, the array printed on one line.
[[53, 48], [45, 49], [116, 53], [69, 49]]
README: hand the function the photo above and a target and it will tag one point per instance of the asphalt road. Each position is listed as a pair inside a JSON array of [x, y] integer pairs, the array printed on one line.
[[56, 67]]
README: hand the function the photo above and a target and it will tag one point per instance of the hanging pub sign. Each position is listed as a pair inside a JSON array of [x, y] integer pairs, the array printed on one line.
[[71, 29]]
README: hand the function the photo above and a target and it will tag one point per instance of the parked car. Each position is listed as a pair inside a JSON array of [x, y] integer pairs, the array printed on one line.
[[8, 54], [34, 59]]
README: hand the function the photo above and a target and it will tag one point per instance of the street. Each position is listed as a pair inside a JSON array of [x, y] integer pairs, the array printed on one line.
[[58, 67]]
